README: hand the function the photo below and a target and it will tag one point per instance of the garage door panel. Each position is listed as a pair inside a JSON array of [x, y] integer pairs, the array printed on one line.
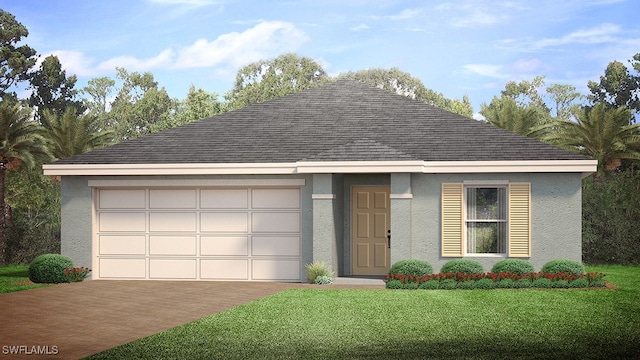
[[232, 269], [122, 245], [280, 222], [172, 245], [224, 222], [224, 245], [275, 270], [122, 199], [123, 268], [275, 198], [224, 198], [122, 221], [275, 245], [172, 222], [172, 268], [172, 199]]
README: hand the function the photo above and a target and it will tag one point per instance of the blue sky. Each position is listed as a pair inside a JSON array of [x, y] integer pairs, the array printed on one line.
[[470, 47]]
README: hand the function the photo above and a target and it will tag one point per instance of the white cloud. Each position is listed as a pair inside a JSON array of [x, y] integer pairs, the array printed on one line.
[[264, 40], [526, 65], [604, 33], [162, 60], [405, 14], [360, 27], [494, 71]]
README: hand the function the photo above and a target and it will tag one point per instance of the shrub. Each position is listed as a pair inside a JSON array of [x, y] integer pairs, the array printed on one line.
[[411, 267], [394, 284], [560, 284], [49, 268], [598, 283], [506, 284], [563, 265], [517, 266], [523, 283], [76, 274], [485, 284], [430, 285], [317, 268], [323, 280], [541, 283], [579, 283], [411, 285], [464, 266], [468, 285], [447, 284]]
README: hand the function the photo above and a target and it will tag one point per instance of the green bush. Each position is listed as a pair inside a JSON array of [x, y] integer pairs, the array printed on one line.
[[579, 283], [542, 283], [411, 267], [598, 283], [523, 283], [485, 284], [430, 285], [49, 268], [394, 284], [447, 284], [317, 268], [517, 266], [468, 285], [563, 266], [505, 284], [411, 285], [464, 266], [323, 280], [560, 284]]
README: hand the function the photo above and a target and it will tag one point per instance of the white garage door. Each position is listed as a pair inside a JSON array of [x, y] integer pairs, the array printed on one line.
[[198, 234]]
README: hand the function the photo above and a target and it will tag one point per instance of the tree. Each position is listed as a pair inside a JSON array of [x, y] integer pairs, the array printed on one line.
[[602, 133], [22, 143], [503, 112], [15, 61], [72, 134], [618, 86], [139, 106], [269, 79], [52, 90], [564, 98], [99, 91], [199, 104], [526, 93], [402, 83]]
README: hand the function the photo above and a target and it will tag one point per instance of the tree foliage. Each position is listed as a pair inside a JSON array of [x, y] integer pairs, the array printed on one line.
[[529, 121], [53, 91], [600, 132], [402, 83], [269, 79], [618, 86], [15, 60]]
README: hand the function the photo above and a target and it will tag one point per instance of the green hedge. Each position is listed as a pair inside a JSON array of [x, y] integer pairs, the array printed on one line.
[[518, 266], [464, 266], [49, 269], [411, 267]]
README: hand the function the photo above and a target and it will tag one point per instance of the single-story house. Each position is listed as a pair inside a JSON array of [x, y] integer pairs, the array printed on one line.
[[344, 173]]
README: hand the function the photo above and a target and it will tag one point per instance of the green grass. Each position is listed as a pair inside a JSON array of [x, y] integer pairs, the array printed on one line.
[[413, 324], [12, 275]]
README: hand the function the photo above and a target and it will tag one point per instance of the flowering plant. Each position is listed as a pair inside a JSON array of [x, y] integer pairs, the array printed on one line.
[[76, 274]]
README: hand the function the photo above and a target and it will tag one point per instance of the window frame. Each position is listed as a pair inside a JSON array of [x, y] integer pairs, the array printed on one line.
[[465, 220]]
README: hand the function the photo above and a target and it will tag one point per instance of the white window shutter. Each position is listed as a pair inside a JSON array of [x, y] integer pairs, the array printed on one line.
[[452, 221], [519, 220]]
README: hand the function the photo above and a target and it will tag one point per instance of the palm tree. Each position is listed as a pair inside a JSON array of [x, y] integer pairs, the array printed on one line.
[[71, 134], [21, 142], [601, 132], [504, 112]]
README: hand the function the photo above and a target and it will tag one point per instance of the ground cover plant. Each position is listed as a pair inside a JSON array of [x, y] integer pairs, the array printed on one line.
[[16, 278], [385, 324]]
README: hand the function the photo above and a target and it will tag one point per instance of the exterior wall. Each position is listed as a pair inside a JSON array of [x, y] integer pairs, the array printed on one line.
[[77, 213], [556, 223]]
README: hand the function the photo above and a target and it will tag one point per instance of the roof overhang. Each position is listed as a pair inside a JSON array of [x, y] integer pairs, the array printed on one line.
[[586, 167]]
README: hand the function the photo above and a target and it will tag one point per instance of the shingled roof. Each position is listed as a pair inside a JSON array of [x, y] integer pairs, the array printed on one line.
[[342, 121]]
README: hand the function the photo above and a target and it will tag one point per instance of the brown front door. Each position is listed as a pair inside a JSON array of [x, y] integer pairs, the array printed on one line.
[[370, 254]]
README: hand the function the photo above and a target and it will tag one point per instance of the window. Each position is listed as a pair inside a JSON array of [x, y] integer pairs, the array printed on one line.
[[486, 220]]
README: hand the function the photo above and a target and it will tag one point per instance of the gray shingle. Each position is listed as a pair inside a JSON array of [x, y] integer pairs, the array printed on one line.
[[342, 121]]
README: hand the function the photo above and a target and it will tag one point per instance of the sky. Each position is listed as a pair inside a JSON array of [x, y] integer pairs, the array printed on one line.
[[457, 48]]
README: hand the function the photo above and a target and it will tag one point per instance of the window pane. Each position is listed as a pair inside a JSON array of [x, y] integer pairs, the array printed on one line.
[[486, 238], [486, 203]]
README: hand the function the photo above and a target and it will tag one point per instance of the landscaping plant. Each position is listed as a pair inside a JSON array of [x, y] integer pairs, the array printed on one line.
[[316, 269], [518, 266], [49, 268], [465, 266], [563, 265], [411, 267]]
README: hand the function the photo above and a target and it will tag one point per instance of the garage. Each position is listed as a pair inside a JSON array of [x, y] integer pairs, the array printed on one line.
[[198, 233]]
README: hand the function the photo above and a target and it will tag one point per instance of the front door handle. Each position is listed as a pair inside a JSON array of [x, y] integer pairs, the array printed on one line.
[[389, 239]]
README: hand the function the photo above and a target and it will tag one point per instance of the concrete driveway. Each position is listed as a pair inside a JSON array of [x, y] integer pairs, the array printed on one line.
[[71, 321]]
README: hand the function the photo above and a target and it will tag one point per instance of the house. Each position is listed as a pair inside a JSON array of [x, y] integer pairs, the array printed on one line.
[[345, 173]]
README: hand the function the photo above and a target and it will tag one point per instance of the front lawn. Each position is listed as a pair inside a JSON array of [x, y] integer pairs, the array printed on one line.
[[16, 278], [416, 324]]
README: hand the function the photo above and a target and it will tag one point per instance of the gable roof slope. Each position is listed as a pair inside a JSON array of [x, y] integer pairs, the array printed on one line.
[[342, 121]]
